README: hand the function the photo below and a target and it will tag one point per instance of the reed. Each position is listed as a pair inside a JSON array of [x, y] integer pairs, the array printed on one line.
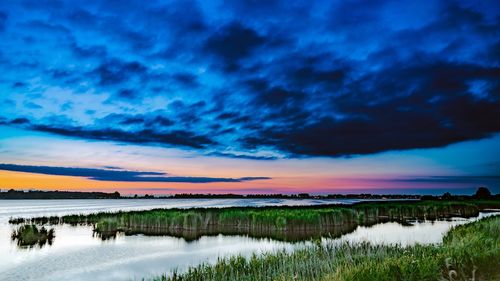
[[30, 235], [283, 223]]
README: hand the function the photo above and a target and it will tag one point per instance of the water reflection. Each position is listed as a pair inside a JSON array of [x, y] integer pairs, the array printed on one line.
[[286, 235], [413, 232]]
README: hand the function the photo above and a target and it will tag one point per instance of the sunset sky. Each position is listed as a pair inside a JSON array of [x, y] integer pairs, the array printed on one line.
[[275, 96]]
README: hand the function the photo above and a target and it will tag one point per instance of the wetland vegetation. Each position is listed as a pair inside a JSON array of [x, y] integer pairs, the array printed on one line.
[[30, 235], [283, 223], [468, 252]]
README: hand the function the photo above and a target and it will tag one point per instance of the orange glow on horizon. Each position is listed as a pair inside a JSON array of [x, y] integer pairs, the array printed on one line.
[[22, 180], [286, 185]]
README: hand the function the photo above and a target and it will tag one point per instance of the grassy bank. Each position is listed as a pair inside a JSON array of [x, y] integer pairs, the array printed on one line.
[[468, 251], [284, 223]]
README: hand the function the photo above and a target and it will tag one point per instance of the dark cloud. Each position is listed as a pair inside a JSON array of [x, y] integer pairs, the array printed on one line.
[[382, 114], [153, 119], [242, 156], [234, 42], [204, 179], [97, 174], [19, 121], [253, 178], [41, 26], [115, 71], [186, 79], [160, 121], [228, 115], [66, 106], [99, 52], [306, 76], [278, 97], [112, 168], [114, 174], [60, 74], [127, 93], [132, 121], [32, 105], [3, 20], [19, 84], [173, 138]]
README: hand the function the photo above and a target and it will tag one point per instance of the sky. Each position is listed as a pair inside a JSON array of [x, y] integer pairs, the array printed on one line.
[[245, 96]]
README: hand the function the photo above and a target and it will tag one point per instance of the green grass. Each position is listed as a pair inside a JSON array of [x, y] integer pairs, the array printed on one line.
[[30, 235], [468, 251]]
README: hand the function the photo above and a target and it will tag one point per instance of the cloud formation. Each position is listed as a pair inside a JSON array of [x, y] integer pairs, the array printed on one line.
[[117, 174], [284, 79]]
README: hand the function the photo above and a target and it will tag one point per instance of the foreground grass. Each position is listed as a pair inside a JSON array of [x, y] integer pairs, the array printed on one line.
[[468, 252]]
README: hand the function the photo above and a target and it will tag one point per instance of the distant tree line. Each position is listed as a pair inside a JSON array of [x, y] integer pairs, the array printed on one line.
[[38, 194], [481, 193], [294, 196]]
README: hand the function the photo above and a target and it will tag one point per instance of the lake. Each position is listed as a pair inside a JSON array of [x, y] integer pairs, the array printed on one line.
[[76, 254]]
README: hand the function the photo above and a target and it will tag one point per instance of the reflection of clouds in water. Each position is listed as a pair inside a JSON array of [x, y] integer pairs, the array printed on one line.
[[395, 233], [133, 256]]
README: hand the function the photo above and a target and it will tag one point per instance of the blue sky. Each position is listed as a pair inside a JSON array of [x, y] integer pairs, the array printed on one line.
[[264, 83]]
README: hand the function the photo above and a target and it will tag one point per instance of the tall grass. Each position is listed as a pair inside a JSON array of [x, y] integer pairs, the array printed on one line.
[[469, 252]]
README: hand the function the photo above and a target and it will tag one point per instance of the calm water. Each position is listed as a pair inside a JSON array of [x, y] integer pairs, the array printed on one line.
[[29, 208], [77, 255]]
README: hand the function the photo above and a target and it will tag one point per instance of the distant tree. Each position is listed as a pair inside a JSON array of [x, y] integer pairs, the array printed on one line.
[[482, 193], [116, 194], [446, 196], [427, 197]]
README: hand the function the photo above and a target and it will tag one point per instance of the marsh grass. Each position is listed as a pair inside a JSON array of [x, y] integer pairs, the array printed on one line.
[[30, 235], [282, 223], [468, 252]]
